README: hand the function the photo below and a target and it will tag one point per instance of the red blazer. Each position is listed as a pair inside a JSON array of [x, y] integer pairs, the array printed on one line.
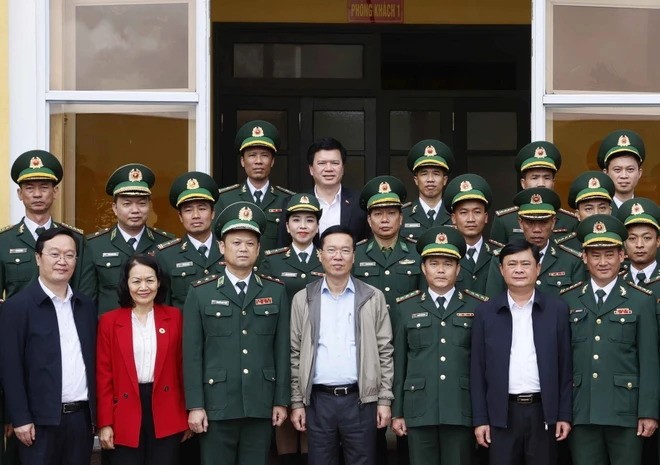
[[118, 397]]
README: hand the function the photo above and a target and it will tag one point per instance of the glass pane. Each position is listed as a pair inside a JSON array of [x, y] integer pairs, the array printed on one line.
[[399, 169], [94, 140], [135, 45], [275, 117], [578, 133], [332, 61], [345, 126], [604, 49], [278, 175], [354, 172], [499, 171], [492, 130], [249, 60], [409, 127]]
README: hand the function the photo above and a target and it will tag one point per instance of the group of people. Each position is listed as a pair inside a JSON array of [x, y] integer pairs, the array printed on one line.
[[322, 318]]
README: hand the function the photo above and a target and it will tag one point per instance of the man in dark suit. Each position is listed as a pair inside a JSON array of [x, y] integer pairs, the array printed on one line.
[[521, 366], [48, 342]]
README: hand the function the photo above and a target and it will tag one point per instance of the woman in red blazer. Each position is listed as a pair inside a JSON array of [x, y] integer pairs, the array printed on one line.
[[141, 408]]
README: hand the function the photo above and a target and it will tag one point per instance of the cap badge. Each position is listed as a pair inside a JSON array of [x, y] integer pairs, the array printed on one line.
[[430, 151], [536, 199], [35, 162], [135, 175], [257, 131], [599, 228], [384, 188], [594, 183], [304, 199], [623, 141], [540, 153], [245, 214], [441, 238], [192, 184], [466, 186], [637, 209]]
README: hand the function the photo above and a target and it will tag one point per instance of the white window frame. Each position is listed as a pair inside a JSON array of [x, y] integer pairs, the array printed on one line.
[[30, 97]]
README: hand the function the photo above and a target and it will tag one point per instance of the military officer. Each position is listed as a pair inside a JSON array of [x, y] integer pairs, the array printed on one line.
[[468, 197], [257, 142], [130, 188], [537, 163], [430, 162], [615, 353], [432, 357], [236, 348], [537, 209], [37, 174], [620, 156], [197, 254]]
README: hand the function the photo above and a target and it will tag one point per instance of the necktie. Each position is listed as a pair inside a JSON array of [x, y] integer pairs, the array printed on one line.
[[202, 250], [470, 254], [601, 294], [431, 215], [132, 242], [540, 257], [39, 230], [257, 196], [440, 302], [303, 257], [241, 285], [641, 278], [386, 251]]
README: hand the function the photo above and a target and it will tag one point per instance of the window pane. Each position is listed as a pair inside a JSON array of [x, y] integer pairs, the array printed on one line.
[[249, 60], [276, 117], [492, 130], [604, 49], [332, 61], [500, 173], [354, 172], [409, 127], [399, 169], [133, 46], [94, 140], [345, 126]]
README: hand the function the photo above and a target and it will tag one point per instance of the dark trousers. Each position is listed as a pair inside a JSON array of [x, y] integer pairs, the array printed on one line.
[[150, 450], [603, 445], [441, 445], [331, 419], [243, 441], [69, 443], [527, 439]]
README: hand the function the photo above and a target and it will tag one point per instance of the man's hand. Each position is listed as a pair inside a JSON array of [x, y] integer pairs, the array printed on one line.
[[298, 419], [482, 433], [279, 415], [383, 416], [198, 422], [562, 428], [9, 430], [107, 437], [646, 427], [399, 426], [25, 434]]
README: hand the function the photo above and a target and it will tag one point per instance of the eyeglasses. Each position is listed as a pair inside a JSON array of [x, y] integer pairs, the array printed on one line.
[[332, 251], [56, 256]]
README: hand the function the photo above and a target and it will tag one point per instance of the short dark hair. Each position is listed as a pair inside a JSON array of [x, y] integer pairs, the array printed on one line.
[[326, 143], [520, 245], [336, 229], [125, 299], [50, 233]]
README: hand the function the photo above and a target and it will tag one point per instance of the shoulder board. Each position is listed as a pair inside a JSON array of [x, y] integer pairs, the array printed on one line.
[[285, 190], [98, 233], [7, 228], [640, 288], [475, 295], [228, 188], [271, 278], [363, 241], [506, 211], [623, 273], [72, 228], [205, 280], [565, 238], [163, 233], [571, 287], [499, 245], [410, 239], [652, 280], [167, 244], [567, 213], [275, 251], [406, 205], [570, 250], [407, 296]]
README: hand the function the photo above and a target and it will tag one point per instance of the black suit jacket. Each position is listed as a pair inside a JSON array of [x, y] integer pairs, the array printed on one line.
[[491, 348], [31, 357]]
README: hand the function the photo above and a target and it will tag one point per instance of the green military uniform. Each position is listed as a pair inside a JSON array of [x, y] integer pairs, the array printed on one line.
[[432, 364], [615, 358], [179, 258], [108, 248], [535, 155], [236, 354], [426, 153]]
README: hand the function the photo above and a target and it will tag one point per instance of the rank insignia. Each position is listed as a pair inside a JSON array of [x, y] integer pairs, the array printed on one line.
[[622, 311], [263, 301], [465, 315]]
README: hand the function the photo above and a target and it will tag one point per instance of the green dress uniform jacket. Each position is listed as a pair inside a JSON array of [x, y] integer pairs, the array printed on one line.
[[652, 284], [560, 268], [109, 251], [506, 227], [569, 240], [474, 276], [615, 355], [396, 275], [273, 204], [415, 221], [184, 265], [236, 354], [18, 265], [284, 265]]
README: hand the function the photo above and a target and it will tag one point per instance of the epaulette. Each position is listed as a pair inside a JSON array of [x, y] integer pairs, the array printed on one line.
[[406, 205], [506, 211], [565, 238], [652, 280], [268, 253], [98, 233], [7, 228], [476, 295], [567, 213], [167, 244], [205, 280], [363, 241], [499, 245], [72, 228], [640, 288], [407, 296], [271, 278], [164, 233], [285, 190], [410, 239], [623, 273], [228, 188], [571, 287], [571, 251]]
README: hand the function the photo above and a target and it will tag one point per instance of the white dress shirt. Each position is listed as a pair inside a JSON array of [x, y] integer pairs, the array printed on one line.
[[144, 347], [331, 211], [253, 189], [309, 251], [426, 207], [618, 201], [434, 297], [74, 373], [648, 271], [607, 289], [233, 279], [197, 244], [127, 236], [544, 252], [523, 367], [476, 247], [32, 226]]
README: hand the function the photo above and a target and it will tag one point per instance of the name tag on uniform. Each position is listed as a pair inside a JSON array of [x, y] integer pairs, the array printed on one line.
[[419, 315], [411, 225], [367, 264], [220, 302], [576, 310], [288, 274], [17, 250], [274, 210], [557, 273], [263, 301], [623, 311], [317, 273], [406, 261], [517, 230], [110, 254], [184, 264], [465, 315]]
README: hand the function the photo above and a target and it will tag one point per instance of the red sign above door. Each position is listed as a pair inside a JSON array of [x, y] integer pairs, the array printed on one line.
[[375, 11]]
